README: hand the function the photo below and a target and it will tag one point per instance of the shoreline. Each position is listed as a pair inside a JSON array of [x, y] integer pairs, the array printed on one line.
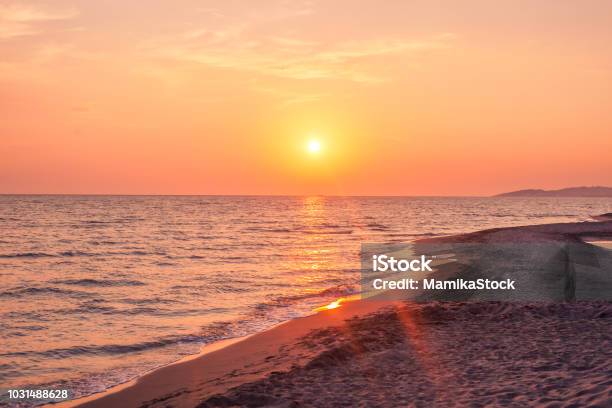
[[206, 349], [220, 360], [279, 350]]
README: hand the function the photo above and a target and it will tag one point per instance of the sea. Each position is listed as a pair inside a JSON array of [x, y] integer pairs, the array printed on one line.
[[97, 290]]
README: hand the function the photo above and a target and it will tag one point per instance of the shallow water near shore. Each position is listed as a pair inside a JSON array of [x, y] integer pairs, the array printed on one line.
[[96, 290]]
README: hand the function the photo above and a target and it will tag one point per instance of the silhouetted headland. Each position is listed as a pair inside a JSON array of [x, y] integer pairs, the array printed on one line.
[[564, 192]]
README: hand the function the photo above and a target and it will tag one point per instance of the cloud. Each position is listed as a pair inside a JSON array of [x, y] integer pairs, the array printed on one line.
[[267, 41], [19, 19], [291, 57]]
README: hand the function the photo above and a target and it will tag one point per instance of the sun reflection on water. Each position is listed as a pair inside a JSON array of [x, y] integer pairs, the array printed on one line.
[[333, 305]]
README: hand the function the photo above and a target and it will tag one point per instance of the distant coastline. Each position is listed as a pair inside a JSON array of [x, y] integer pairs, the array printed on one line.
[[564, 192]]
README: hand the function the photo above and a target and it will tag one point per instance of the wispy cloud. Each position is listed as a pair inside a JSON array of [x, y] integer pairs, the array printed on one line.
[[21, 19], [290, 57], [268, 41]]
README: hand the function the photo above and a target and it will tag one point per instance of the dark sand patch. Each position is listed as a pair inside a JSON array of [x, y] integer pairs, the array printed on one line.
[[449, 354]]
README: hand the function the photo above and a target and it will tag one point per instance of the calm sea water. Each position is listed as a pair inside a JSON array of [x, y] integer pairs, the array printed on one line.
[[96, 290]]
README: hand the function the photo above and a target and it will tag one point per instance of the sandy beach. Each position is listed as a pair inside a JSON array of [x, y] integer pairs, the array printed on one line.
[[396, 353]]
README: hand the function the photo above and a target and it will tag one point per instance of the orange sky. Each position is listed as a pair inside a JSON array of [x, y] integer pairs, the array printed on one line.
[[221, 97]]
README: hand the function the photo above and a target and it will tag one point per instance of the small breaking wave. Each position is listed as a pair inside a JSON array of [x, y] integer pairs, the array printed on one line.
[[108, 349], [286, 301]]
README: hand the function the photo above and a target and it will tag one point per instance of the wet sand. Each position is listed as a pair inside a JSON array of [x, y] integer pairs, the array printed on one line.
[[188, 384], [470, 352]]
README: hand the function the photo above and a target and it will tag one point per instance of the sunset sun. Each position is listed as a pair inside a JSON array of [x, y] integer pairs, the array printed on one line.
[[314, 146]]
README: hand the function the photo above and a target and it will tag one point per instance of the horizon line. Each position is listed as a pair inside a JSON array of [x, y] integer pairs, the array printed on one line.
[[238, 195], [298, 195]]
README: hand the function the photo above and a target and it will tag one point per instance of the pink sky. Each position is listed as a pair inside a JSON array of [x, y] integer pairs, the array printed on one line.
[[222, 97]]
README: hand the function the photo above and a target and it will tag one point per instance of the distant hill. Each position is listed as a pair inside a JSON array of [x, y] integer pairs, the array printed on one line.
[[564, 192]]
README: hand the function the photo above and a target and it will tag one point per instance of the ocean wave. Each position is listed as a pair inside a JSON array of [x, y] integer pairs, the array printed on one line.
[[150, 301], [93, 223], [35, 290], [162, 308], [79, 253], [27, 255], [99, 282], [109, 349], [37, 316], [324, 228], [326, 232], [141, 253], [9, 219], [228, 287], [288, 300], [544, 215], [377, 226], [104, 242], [99, 308], [76, 253], [161, 263], [273, 230], [218, 286]]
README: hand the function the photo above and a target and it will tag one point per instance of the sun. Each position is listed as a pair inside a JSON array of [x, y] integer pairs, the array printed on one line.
[[313, 146]]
